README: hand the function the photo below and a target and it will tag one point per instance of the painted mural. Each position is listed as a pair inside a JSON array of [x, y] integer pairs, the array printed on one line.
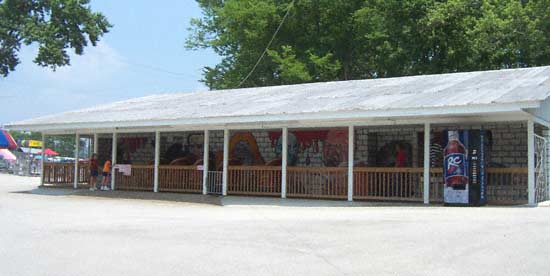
[[331, 144], [244, 151]]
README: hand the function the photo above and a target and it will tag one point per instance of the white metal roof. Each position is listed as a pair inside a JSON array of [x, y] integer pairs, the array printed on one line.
[[484, 91]]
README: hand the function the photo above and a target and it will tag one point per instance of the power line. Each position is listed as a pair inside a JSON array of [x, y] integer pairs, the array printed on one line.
[[268, 44], [153, 68]]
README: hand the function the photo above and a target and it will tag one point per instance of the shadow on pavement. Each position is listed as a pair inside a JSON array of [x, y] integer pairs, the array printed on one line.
[[230, 200], [172, 197]]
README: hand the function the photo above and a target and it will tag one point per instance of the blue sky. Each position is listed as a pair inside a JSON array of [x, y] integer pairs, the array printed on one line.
[[145, 35]]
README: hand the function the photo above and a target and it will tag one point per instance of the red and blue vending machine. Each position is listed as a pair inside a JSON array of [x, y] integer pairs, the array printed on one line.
[[464, 167]]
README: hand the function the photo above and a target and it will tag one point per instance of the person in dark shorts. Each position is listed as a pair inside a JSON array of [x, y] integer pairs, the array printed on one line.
[[106, 175], [93, 172]]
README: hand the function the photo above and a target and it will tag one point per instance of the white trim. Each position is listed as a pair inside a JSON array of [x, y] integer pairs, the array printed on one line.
[[76, 148], [157, 162], [480, 109], [205, 158], [531, 161], [113, 160], [351, 137], [225, 160], [427, 134], [43, 159], [541, 121], [284, 161], [473, 118]]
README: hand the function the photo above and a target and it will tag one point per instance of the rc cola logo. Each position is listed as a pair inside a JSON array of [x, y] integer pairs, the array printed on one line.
[[456, 171]]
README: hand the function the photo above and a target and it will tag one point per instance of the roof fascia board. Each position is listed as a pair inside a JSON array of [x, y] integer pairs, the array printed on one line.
[[350, 115], [496, 117]]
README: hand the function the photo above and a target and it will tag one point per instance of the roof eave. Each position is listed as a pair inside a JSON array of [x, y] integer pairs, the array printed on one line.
[[448, 111]]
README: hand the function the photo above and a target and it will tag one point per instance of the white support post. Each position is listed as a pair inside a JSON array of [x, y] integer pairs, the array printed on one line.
[[113, 160], [225, 160], [205, 158], [284, 161], [43, 159], [531, 161], [351, 138], [546, 134], [157, 162], [427, 131], [96, 146], [76, 147]]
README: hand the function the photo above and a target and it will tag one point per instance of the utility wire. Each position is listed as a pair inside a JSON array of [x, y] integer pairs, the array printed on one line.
[[151, 67], [268, 44]]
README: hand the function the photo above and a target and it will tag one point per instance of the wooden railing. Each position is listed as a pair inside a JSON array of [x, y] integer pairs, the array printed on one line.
[[504, 185], [507, 185], [83, 174], [254, 180], [58, 173], [180, 179], [62, 174], [402, 184], [437, 185], [317, 182], [141, 179]]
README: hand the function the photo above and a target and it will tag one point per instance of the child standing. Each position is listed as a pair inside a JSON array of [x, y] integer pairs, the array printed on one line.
[[106, 175]]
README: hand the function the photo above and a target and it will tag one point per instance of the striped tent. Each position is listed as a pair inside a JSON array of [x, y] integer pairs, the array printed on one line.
[[6, 141]]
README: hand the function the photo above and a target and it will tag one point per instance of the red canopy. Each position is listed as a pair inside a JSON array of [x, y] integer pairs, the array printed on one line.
[[49, 152]]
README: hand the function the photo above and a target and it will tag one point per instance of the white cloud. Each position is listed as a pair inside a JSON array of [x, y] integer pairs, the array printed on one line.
[[33, 90], [97, 64]]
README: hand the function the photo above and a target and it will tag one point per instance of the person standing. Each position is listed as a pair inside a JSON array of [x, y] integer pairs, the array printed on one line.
[[400, 156], [106, 175], [93, 172]]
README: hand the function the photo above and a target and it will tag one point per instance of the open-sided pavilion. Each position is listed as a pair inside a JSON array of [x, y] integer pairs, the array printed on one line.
[[321, 140]]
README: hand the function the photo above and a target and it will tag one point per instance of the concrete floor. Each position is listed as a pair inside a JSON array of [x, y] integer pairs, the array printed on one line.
[[63, 232]]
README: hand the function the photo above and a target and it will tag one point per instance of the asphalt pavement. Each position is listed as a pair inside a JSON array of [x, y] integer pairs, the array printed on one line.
[[45, 231]]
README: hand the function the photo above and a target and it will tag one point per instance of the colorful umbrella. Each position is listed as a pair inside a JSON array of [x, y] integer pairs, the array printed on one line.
[[6, 141], [49, 152], [7, 155]]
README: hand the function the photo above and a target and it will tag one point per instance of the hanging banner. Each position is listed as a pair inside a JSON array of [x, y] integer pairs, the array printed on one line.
[[35, 144]]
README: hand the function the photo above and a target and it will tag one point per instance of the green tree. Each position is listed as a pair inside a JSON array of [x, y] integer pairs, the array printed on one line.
[[323, 40], [54, 25]]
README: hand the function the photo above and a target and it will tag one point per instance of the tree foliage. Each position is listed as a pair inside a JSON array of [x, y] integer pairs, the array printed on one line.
[[324, 40], [55, 25]]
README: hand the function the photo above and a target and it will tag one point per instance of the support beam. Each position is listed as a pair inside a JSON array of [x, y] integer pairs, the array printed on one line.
[[96, 145], [76, 147], [113, 160], [546, 134], [284, 161], [43, 159], [531, 161], [351, 137], [157, 162], [205, 158], [427, 131], [225, 160]]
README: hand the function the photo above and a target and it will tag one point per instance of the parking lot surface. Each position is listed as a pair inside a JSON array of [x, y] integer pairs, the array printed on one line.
[[62, 232]]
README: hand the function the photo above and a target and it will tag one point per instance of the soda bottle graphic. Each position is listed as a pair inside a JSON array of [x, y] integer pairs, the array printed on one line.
[[456, 169]]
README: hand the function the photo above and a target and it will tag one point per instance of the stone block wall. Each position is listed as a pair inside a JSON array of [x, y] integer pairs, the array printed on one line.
[[142, 154], [508, 148], [369, 140], [509, 142]]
